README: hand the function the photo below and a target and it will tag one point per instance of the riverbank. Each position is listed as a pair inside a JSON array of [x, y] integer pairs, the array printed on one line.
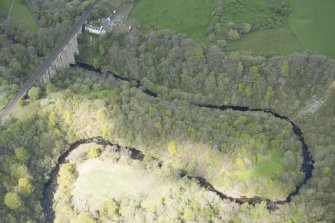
[[307, 165]]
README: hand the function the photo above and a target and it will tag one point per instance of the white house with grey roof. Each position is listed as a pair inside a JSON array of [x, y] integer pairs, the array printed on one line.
[[106, 24]]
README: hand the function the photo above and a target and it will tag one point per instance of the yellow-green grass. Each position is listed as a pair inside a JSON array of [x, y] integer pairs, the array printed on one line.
[[99, 181], [186, 16], [267, 169], [21, 14], [269, 41], [313, 23], [270, 167]]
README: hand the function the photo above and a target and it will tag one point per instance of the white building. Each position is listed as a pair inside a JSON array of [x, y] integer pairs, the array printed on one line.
[[95, 30]]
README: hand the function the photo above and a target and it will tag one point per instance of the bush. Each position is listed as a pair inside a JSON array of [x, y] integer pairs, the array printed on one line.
[[285, 68], [248, 91], [13, 201], [22, 154], [94, 153], [25, 187], [34, 93], [172, 149], [254, 71], [84, 217], [66, 174], [246, 27], [233, 34]]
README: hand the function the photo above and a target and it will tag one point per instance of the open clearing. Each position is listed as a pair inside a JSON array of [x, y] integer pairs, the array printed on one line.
[[99, 181], [21, 14], [270, 41], [310, 26], [187, 16], [313, 23]]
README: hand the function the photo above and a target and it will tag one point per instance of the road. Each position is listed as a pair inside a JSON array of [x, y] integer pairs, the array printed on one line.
[[9, 108]]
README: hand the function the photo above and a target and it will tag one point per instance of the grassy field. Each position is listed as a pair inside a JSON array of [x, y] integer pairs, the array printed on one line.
[[252, 10], [187, 16], [270, 41], [310, 27], [99, 181], [21, 14], [313, 23], [310, 24]]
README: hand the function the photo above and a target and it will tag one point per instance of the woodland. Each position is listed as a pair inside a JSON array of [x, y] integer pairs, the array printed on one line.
[[241, 154]]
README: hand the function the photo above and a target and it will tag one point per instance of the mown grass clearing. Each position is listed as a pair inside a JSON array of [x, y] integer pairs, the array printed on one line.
[[269, 41], [188, 16], [99, 181], [20, 15], [313, 23]]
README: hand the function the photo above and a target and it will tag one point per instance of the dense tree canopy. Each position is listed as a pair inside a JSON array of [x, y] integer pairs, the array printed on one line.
[[250, 153]]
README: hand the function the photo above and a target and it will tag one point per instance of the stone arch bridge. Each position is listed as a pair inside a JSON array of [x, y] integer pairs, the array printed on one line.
[[62, 56]]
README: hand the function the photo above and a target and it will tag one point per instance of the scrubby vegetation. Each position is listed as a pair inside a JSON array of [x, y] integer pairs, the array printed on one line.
[[240, 17]]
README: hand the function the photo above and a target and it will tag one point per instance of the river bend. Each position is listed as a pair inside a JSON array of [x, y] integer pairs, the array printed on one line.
[[307, 165]]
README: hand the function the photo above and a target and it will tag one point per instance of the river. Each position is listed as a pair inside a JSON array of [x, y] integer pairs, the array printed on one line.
[[307, 165]]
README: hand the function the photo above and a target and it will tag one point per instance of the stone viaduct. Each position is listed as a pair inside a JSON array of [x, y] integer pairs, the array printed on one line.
[[63, 60], [62, 56]]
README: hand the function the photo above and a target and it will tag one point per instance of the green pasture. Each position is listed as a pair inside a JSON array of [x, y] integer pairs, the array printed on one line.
[[310, 26], [21, 14], [269, 41], [313, 23], [186, 16]]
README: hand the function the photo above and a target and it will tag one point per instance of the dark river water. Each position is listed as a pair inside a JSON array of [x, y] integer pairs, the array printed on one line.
[[306, 167]]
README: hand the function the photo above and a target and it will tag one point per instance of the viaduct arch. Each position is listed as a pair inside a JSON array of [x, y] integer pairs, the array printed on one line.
[[62, 56]]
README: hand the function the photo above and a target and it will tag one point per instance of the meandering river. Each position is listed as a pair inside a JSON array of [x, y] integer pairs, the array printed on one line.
[[307, 165]]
